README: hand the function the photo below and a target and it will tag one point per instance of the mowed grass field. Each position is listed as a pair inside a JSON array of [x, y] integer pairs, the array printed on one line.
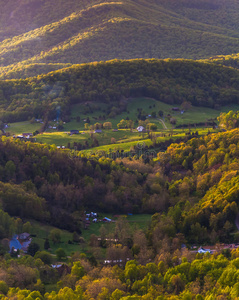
[[104, 138], [124, 139], [140, 144], [22, 127], [42, 232], [193, 116], [121, 139]]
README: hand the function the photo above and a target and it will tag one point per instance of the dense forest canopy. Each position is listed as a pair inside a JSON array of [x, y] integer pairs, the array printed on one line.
[[170, 81], [172, 276], [193, 184], [192, 187], [48, 33], [55, 54]]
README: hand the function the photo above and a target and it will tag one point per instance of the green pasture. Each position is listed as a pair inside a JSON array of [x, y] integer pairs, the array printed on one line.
[[104, 138], [22, 127], [193, 116], [122, 139], [146, 104], [125, 139], [128, 144], [42, 232], [200, 114], [114, 147], [61, 138]]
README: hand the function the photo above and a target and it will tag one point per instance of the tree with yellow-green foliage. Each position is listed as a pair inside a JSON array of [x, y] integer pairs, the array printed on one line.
[[229, 120]]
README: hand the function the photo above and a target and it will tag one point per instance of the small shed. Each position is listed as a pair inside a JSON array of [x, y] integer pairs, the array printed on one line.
[[106, 219], [98, 131], [74, 131]]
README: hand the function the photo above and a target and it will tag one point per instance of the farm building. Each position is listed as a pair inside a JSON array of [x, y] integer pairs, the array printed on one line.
[[106, 219], [140, 129], [20, 242], [27, 135], [74, 131]]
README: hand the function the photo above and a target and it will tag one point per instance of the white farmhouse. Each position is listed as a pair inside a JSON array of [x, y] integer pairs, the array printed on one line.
[[140, 128]]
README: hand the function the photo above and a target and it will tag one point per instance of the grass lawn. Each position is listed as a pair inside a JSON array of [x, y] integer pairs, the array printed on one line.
[[114, 147], [131, 113], [22, 127], [104, 138], [128, 144], [42, 232], [140, 221], [122, 139], [125, 139], [148, 105], [61, 138]]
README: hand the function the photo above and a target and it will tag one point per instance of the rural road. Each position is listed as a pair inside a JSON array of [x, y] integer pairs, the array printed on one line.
[[164, 125]]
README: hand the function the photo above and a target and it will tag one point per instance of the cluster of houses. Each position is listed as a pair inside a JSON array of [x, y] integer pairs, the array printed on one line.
[[94, 218], [25, 135], [91, 215], [29, 135]]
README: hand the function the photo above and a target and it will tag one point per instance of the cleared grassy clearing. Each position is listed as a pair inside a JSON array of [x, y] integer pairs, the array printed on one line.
[[60, 138], [63, 138], [22, 127], [110, 140], [147, 105], [42, 232], [140, 144]]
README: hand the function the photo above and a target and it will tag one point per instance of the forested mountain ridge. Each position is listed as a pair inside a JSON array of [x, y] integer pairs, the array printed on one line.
[[170, 81], [79, 32], [193, 186], [189, 191], [209, 188], [231, 60], [38, 181]]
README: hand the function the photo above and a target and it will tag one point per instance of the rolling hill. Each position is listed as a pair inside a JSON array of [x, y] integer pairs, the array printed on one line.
[[34, 41], [170, 81]]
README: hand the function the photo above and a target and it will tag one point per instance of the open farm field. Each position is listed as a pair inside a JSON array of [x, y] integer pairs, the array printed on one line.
[[119, 149], [22, 127], [95, 112], [42, 232], [104, 138], [139, 145], [123, 139]]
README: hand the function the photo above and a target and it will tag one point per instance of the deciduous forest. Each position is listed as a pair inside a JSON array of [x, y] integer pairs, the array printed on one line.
[[119, 150], [170, 81]]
